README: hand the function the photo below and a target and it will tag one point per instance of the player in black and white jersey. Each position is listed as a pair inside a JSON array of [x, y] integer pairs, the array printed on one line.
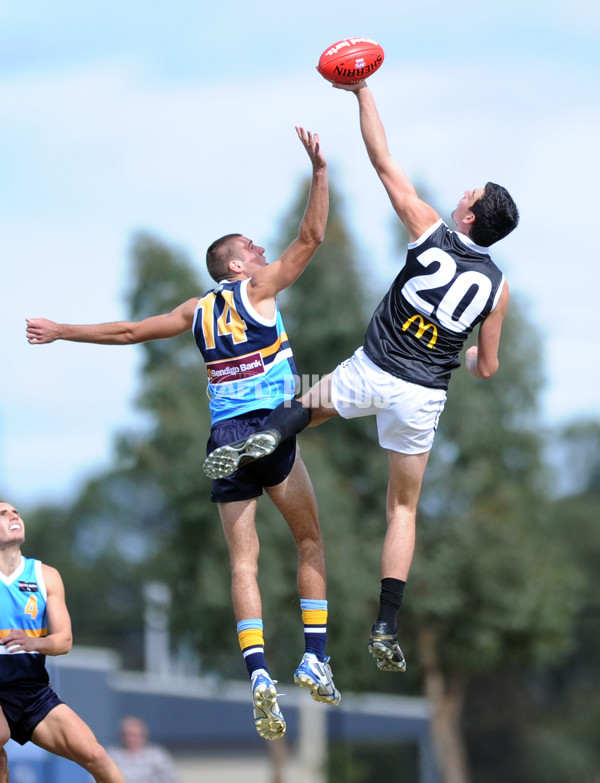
[[447, 287]]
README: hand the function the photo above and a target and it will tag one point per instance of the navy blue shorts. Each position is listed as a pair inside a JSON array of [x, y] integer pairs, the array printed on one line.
[[250, 481], [24, 706]]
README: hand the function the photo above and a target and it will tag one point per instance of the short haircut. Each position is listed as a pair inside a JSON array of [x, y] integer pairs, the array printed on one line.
[[218, 256], [496, 215]]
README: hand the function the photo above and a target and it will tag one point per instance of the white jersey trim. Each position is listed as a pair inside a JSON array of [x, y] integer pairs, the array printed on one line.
[[40, 579], [286, 353], [471, 245], [195, 318], [426, 234], [11, 651], [8, 580], [257, 317]]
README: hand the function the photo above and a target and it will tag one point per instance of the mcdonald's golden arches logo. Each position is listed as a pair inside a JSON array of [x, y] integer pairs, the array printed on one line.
[[422, 328]]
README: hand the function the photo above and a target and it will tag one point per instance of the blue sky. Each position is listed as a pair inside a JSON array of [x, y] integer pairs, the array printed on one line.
[[165, 117]]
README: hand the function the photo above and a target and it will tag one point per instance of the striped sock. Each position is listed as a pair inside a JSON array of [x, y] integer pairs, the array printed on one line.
[[252, 644], [314, 617]]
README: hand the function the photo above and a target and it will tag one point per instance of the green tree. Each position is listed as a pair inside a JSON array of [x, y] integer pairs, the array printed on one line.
[[122, 526], [99, 550], [562, 743], [490, 587], [168, 455], [326, 312]]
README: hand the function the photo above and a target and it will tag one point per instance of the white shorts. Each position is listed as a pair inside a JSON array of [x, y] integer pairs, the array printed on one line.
[[407, 414]]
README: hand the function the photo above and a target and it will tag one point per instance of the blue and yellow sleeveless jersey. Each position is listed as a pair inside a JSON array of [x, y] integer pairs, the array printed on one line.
[[248, 358], [23, 606]]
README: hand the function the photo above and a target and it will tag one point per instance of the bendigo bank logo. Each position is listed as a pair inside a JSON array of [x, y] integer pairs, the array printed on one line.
[[422, 328]]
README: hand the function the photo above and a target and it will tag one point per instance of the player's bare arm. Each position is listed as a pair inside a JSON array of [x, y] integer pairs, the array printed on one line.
[[416, 214], [59, 639], [268, 281], [482, 360], [41, 330]]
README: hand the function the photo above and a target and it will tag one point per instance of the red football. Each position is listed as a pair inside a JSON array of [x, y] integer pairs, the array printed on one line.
[[350, 60]]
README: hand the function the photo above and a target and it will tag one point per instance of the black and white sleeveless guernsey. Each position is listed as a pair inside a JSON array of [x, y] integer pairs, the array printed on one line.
[[447, 286]]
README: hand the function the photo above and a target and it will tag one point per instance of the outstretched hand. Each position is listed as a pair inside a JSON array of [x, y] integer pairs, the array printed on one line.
[[40, 331], [312, 146], [354, 87]]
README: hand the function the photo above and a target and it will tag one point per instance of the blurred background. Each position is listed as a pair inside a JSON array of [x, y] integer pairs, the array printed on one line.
[[132, 136]]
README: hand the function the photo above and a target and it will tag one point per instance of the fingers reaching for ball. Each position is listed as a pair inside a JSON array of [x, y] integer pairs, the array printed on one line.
[[311, 145]]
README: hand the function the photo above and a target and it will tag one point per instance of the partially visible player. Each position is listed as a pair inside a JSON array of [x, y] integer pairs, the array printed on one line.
[[240, 333], [447, 287], [35, 622]]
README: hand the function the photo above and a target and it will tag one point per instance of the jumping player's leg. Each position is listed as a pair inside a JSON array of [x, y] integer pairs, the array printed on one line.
[[405, 479], [238, 521], [295, 498], [404, 487], [285, 421], [4, 737], [65, 734]]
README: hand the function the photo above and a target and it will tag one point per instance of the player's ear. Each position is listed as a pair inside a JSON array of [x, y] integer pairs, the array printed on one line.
[[235, 265]]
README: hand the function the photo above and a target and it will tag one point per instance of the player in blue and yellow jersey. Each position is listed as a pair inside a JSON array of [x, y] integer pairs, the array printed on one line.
[[239, 331], [34, 623], [448, 286]]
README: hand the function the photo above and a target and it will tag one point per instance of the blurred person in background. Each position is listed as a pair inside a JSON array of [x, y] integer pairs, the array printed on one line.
[[140, 760]]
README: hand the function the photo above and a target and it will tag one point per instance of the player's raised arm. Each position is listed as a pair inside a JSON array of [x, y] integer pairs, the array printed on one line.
[[271, 279], [41, 330], [416, 215]]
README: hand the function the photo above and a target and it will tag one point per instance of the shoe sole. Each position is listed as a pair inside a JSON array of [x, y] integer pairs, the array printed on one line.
[[225, 460], [385, 656], [316, 691], [272, 726]]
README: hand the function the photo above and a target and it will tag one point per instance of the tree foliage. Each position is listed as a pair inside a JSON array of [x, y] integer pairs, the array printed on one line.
[[493, 587], [487, 573], [563, 728]]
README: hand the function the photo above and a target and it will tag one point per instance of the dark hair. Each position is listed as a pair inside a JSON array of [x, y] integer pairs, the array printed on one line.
[[496, 215], [218, 256]]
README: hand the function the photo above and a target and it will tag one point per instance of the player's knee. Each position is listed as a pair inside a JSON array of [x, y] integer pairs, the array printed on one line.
[[310, 533], [96, 759], [314, 541], [3, 765], [4, 736], [311, 546], [246, 568]]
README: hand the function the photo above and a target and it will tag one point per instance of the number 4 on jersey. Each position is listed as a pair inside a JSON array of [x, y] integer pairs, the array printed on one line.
[[31, 607]]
